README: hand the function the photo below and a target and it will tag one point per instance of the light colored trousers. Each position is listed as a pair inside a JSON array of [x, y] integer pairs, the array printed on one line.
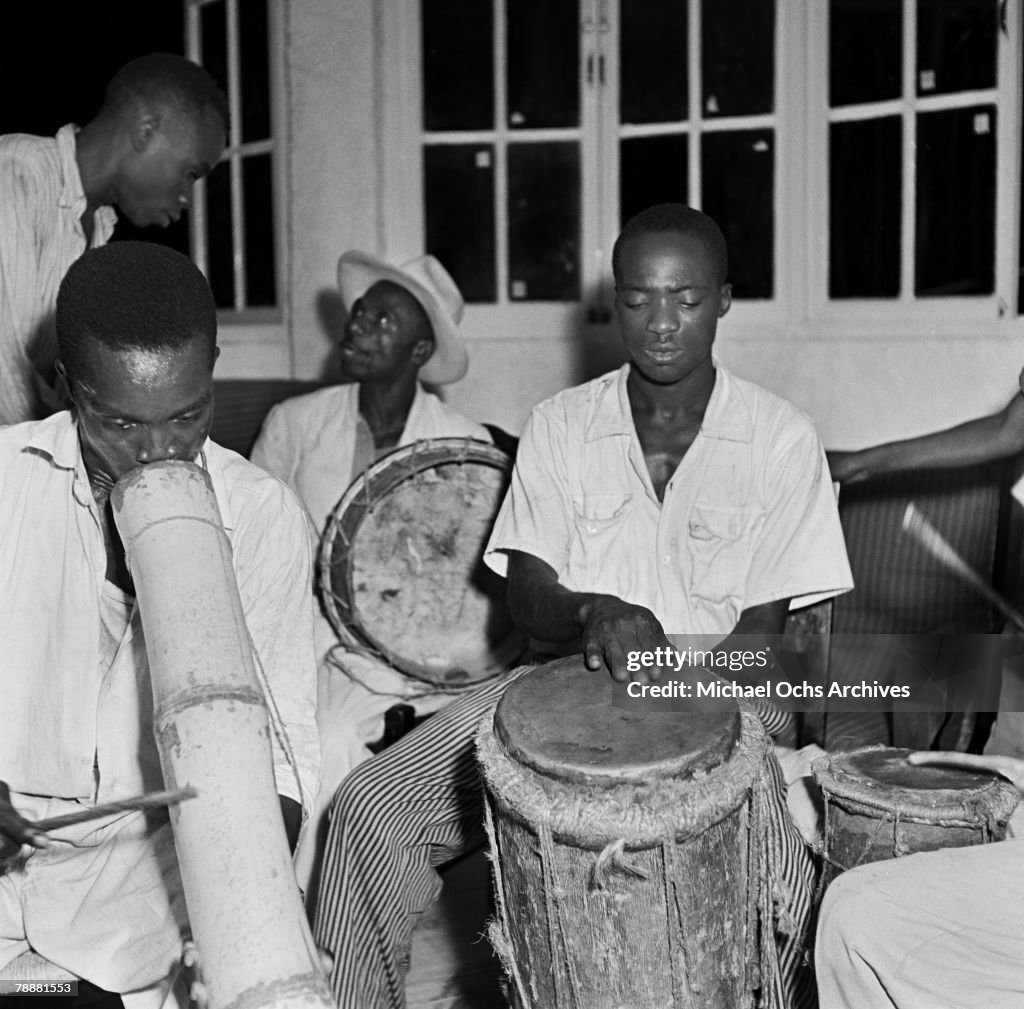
[[937, 930]]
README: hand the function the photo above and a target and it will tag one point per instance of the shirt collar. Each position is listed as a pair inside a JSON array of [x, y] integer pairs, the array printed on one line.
[[57, 438], [728, 415], [72, 195]]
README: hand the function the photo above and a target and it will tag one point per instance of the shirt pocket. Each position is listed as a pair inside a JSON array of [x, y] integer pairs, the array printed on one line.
[[718, 545], [598, 524]]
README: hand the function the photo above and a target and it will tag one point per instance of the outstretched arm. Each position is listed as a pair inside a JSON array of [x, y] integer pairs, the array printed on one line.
[[981, 440], [609, 627]]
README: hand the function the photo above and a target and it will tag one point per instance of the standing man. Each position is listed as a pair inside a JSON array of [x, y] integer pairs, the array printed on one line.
[[667, 498], [402, 330], [137, 328], [163, 125]]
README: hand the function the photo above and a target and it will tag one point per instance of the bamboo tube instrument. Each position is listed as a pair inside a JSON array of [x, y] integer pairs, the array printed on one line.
[[212, 730]]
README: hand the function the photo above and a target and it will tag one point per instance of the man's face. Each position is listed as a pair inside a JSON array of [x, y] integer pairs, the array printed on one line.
[[139, 406], [668, 301], [386, 335], [169, 153]]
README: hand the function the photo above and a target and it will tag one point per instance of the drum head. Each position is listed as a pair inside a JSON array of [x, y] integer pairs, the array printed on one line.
[[887, 768], [401, 563], [559, 720]]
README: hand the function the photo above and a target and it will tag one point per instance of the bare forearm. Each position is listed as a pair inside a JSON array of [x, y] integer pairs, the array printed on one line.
[[974, 442]]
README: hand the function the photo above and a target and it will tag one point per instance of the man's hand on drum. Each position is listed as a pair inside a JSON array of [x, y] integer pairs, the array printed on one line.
[[612, 629], [15, 830], [609, 627]]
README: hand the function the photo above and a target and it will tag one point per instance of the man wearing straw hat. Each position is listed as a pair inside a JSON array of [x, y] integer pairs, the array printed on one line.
[[402, 330]]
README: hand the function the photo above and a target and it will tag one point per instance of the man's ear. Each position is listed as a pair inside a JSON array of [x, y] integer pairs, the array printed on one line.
[[145, 127], [725, 300], [422, 351]]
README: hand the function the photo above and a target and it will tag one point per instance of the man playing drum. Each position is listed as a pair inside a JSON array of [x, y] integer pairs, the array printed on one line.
[[137, 328], [669, 496], [942, 929], [402, 330]]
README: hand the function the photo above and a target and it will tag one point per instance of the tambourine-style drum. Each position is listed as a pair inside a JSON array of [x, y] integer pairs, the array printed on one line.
[[625, 874], [401, 568], [879, 806]]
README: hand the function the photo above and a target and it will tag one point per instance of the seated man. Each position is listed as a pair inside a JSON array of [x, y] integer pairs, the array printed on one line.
[[162, 126], [402, 330], [939, 929], [668, 496], [137, 331]]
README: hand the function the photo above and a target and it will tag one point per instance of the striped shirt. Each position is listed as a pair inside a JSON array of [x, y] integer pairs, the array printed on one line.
[[41, 235]]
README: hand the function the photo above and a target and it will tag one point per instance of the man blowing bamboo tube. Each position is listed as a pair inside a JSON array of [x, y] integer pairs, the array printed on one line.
[[137, 336]]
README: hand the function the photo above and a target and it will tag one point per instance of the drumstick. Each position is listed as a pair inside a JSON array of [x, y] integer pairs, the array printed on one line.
[[932, 540], [151, 800], [1008, 767]]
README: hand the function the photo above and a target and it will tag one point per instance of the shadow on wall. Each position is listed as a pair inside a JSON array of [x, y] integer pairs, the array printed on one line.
[[331, 314], [594, 342]]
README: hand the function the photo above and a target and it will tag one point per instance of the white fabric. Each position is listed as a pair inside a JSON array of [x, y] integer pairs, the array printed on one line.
[[41, 235], [309, 442], [936, 930], [108, 911], [749, 516]]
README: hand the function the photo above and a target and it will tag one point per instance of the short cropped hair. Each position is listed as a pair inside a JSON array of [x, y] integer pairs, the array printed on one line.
[[168, 80], [132, 296], [680, 219]]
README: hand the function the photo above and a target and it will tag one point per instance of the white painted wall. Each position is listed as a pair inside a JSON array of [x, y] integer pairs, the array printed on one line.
[[861, 384]]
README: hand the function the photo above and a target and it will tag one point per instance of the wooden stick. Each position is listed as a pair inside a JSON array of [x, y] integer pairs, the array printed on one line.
[[151, 800], [916, 525]]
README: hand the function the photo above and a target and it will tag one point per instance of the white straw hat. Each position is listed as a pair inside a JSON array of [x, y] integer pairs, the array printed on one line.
[[432, 286]]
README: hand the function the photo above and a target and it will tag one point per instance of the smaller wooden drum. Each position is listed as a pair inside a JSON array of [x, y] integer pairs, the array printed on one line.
[[878, 806], [401, 568], [625, 874]]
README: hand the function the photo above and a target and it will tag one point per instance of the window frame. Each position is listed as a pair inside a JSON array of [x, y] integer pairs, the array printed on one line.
[[247, 326], [800, 305]]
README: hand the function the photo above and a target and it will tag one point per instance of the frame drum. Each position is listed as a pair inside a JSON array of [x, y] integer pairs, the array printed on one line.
[[626, 874], [401, 564], [878, 806]]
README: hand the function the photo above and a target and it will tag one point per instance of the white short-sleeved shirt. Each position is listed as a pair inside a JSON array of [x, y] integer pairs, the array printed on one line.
[[748, 517], [309, 441]]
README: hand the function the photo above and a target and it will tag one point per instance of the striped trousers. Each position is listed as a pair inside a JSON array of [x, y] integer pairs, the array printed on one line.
[[398, 817]]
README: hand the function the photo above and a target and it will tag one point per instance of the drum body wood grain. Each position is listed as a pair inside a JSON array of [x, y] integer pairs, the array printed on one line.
[[623, 871], [877, 806]]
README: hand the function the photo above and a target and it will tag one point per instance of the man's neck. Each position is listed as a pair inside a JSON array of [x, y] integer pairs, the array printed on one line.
[[93, 144], [687, 398], [385, 408]]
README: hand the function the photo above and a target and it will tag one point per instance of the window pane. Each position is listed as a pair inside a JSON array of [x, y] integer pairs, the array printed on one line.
[[865, 179], [738, 47], [956, 202], [258, 187], [213, 33], [865, 51], [956, 45], [544, 222], [459, 201], [458, 65], [652, 170], [738, 172], [543, 63], [652, 62], [218, 236], [254, 58]]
